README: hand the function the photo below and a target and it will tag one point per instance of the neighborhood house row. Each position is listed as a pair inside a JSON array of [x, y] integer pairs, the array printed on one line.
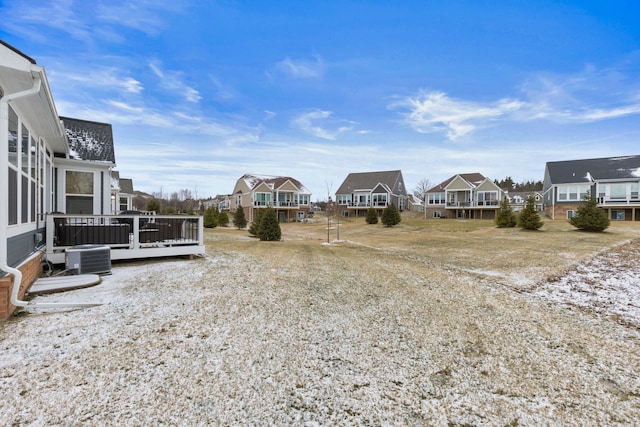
[[60, 189]]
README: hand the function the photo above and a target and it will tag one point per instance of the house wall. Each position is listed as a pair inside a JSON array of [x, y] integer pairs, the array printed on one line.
[[31, 270], [444, 213], [20, 247], [560, 211]]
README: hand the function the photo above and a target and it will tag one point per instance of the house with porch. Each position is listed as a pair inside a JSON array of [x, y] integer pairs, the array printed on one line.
[[287, 196], [467, 195], [56, 178], [613, 181], [363, 190]]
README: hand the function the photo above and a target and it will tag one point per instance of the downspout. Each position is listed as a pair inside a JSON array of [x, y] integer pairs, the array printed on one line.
[[4, 218]]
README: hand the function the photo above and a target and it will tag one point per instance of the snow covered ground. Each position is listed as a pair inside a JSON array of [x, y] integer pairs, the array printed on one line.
[[608, 285], [329, 336]]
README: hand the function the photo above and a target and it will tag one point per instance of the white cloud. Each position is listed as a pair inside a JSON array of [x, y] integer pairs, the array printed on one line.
[[436, 112], [173, 81], [96, 77], [308, 123], [588, 96], [302, 69]]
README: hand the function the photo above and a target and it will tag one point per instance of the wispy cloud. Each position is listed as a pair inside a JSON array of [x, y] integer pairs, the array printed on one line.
[[319, 123], [301, 68], [143, 16], [173, 81], [99, 77], [436, 112], [589, 96]]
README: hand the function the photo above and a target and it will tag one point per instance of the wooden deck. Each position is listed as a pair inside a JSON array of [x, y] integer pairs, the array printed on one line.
[[128, 236]]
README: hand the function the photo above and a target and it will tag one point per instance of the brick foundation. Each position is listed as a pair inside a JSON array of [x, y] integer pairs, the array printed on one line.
[[31, 270]]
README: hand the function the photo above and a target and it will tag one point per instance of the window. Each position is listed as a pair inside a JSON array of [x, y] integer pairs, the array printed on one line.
[[572, 192], [239, 200], [24, 183], [303, 199], [123, 204], [343, 199], [617, 215], [437, 199], [262, 199], [437, 214], [618, 191], [487, 198], [79, 191], [379, 199], [634, 190], [570, 214]]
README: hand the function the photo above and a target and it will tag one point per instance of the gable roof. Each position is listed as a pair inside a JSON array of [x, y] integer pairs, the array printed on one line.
[[474, 179], [19, 52], [126, 185], [588, 170], [273, 182], [89, 140], [369, 180]]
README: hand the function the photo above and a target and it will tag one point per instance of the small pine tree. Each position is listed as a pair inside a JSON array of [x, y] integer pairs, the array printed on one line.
[[211, 217], [505, 216], [589, 217], [154, 206], [223, 219], [238, 218], [372, 216], [254, 228], [529, 219], [390, 216], [269, 228]]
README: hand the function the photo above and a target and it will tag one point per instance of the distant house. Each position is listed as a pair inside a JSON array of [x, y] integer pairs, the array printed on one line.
[[467, 195], [364, 190], [287, 196], [222, 202], [613, 181], [517, 200], [122, 193]]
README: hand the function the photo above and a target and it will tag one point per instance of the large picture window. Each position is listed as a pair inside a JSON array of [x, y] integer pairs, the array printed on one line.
[[79, 191], [22, 155], [437, 199], [263, 199], [379, 199], [487, 198], [572, 192], [618, 191]]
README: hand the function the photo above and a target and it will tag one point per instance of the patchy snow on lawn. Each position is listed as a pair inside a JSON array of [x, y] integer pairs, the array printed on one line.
[[607, 285]]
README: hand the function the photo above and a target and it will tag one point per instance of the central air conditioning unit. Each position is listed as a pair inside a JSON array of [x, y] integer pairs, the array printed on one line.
[[84, 259]]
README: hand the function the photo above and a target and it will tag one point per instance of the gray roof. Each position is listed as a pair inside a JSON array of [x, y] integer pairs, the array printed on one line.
[[588, 170], [126, 185], [369, 180], [474, 178], [89, 140]]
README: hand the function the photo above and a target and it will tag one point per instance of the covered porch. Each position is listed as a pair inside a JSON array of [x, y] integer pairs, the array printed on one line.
[[128, 236]]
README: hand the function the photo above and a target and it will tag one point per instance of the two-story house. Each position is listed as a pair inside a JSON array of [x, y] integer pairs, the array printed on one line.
[[364, 190], [467, 195], [613, 181], [287, 196]]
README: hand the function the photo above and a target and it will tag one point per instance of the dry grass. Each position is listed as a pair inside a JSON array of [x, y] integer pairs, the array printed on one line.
[[427, 323]]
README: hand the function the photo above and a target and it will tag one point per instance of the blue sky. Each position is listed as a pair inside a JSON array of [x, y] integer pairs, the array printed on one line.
[[201, 92]]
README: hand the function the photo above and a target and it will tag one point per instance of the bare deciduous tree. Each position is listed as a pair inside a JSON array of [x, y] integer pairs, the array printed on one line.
[[421, 188]]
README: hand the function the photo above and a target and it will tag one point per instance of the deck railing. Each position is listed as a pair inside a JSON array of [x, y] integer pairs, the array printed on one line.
[[129, 236]]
